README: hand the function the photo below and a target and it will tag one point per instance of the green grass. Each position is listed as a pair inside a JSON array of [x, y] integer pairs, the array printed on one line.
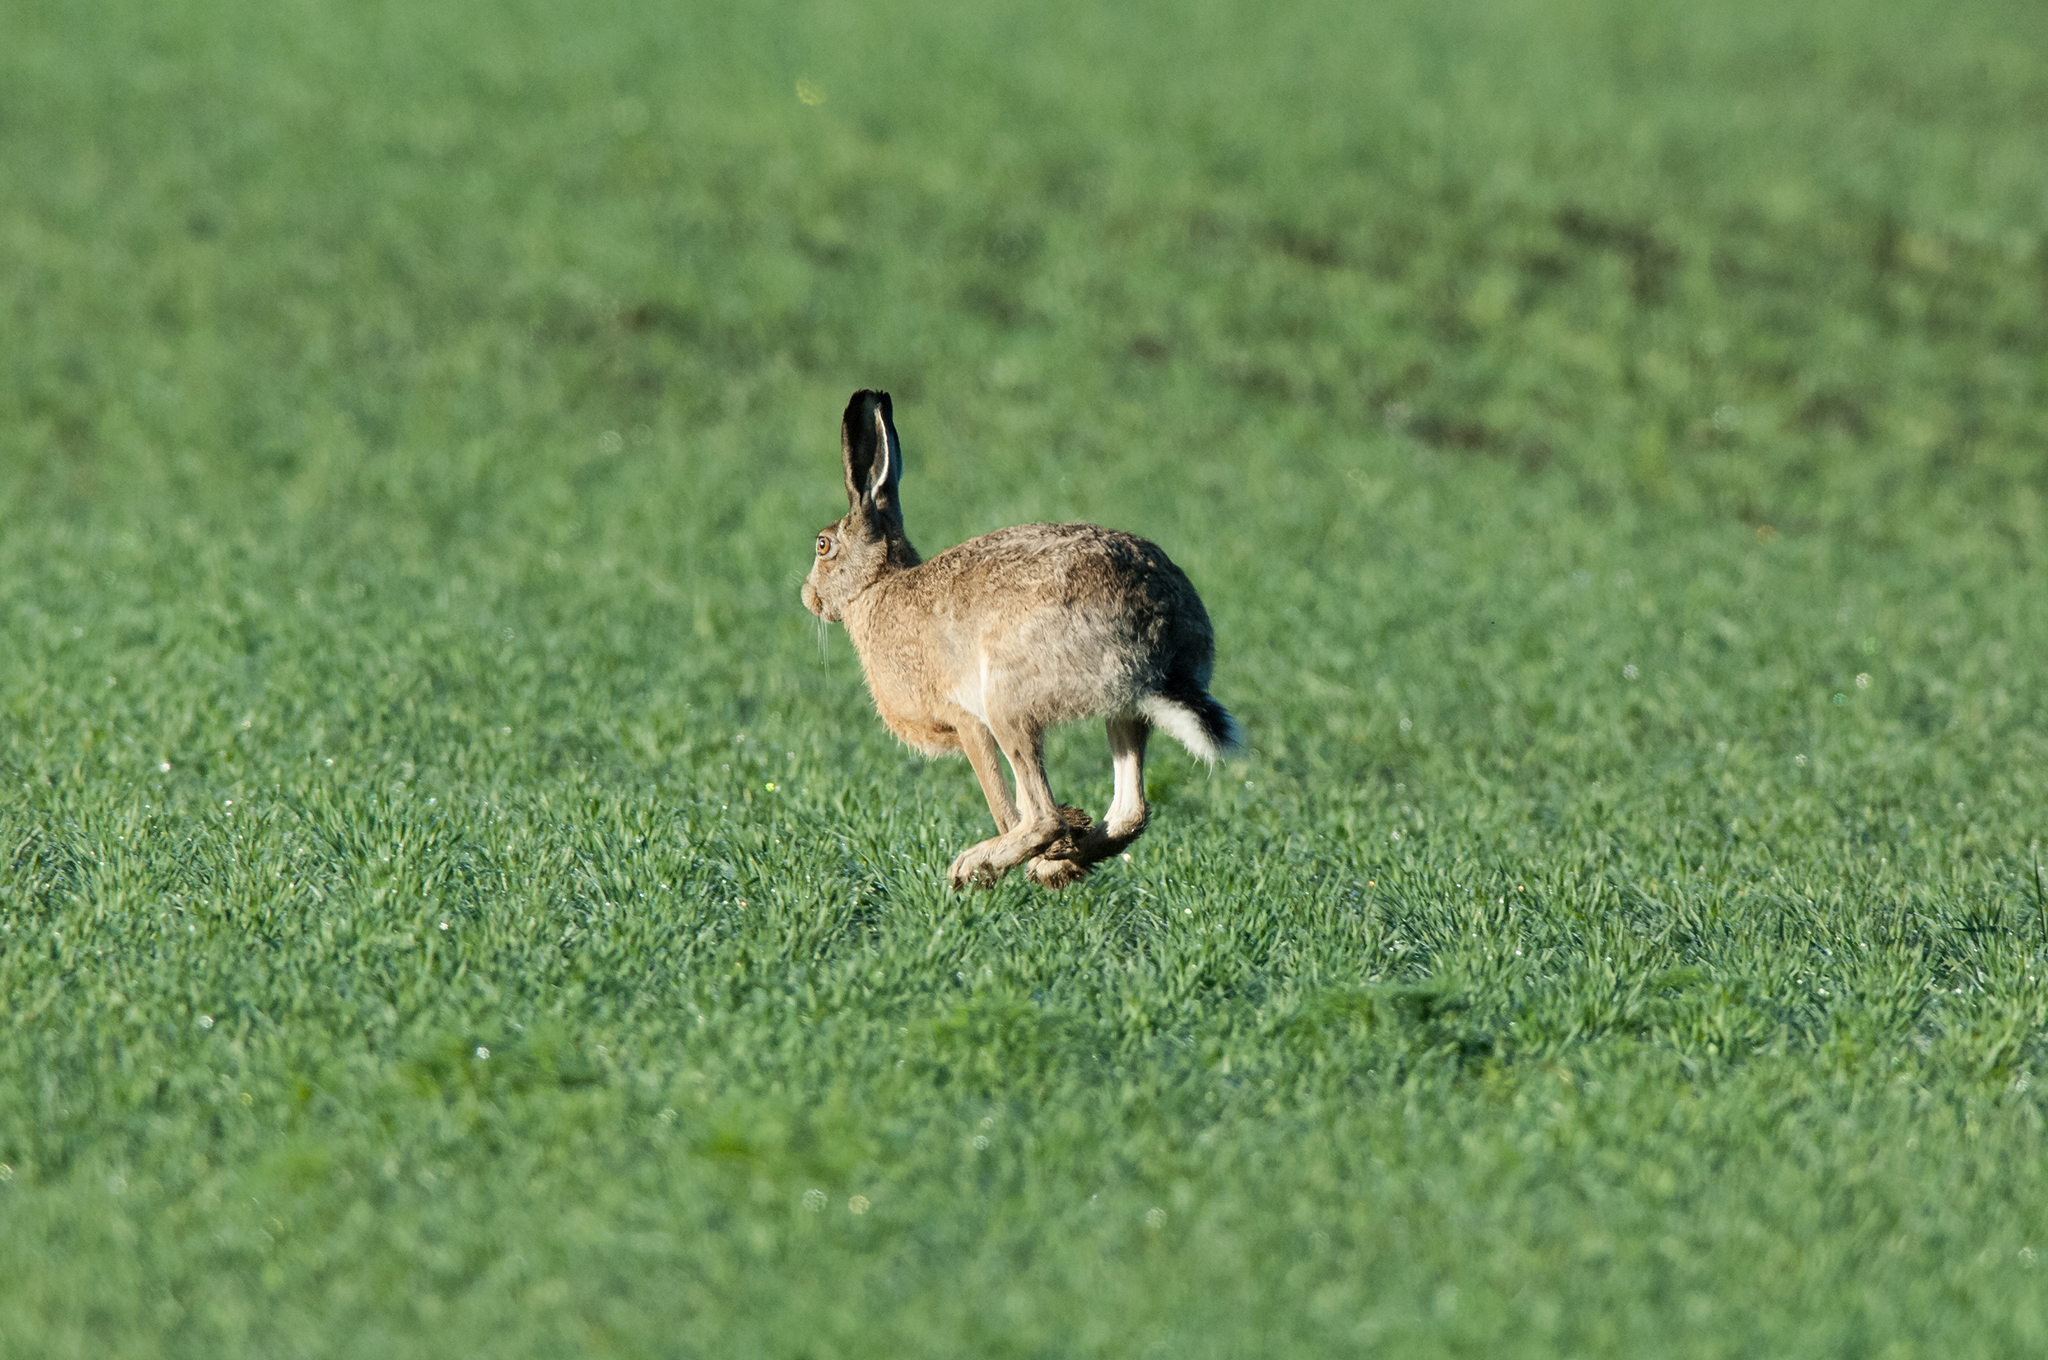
[[1608, 438]]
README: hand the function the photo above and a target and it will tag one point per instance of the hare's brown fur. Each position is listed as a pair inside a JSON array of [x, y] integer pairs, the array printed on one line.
[[990, 643]]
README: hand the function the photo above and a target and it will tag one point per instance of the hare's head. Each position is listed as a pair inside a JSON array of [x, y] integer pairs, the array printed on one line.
[[868, 541]]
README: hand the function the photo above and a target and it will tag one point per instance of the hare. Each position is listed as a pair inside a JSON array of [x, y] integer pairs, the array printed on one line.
[[990, 643]]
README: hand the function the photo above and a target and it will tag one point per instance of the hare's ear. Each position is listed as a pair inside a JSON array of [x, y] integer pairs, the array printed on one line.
[[874, 456]]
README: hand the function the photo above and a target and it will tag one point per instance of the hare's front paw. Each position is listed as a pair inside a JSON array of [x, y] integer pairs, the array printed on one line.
[[978, 865]]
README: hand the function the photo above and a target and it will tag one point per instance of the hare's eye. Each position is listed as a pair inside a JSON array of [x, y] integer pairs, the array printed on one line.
[[824, 544]]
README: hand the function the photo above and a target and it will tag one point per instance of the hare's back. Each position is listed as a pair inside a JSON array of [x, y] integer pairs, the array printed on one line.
[[1086, 619], [1060, 566]]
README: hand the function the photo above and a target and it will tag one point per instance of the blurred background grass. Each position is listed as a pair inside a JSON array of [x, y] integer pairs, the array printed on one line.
[[1608, 438]]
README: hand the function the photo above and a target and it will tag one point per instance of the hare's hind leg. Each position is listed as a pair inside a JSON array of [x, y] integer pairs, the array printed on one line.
[[1127, 816], [1039, 823], [1123, 823]]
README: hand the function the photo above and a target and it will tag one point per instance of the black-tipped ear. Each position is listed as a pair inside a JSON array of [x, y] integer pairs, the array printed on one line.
[[873, 454]]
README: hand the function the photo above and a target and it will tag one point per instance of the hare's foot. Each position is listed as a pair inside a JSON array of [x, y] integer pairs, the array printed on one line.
[[1064, 861], [1074, 824], [1112, 835], [1048, 872], [1085, 844], [983, 864]]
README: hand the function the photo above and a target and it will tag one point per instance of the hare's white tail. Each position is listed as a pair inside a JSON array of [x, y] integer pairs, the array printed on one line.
[[1198, 723]]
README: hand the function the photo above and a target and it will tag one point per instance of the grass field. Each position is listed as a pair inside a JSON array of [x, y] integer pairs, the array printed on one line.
[[453, 903]]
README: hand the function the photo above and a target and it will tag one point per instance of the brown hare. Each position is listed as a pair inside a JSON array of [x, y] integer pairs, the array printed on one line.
[[990, 643]]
